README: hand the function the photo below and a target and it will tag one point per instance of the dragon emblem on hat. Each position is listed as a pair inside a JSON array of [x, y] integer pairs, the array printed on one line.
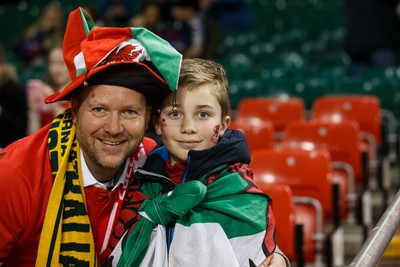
[[126, 53]]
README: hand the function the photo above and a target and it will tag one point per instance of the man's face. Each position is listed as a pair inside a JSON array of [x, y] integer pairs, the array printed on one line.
[[110, 124]]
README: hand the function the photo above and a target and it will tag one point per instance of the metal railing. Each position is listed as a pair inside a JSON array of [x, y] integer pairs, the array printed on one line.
[[380, 237]]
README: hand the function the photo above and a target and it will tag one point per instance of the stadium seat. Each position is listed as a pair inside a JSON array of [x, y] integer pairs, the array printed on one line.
[[258, 135], [284, 211], [309, 175], [365, 110], [343, 143], [276, 110]]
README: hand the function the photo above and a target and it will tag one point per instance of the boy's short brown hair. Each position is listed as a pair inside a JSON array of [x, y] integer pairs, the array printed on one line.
[[196, 72]]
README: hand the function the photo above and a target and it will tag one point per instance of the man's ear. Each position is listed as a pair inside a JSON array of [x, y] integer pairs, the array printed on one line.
[[74, 109], [148, 116], [156, 123]]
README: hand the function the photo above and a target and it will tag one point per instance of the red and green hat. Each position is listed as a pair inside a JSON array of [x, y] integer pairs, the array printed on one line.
[[131, 57]]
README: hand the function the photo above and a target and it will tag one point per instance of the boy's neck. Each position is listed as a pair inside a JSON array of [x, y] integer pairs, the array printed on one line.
[[175, 172]]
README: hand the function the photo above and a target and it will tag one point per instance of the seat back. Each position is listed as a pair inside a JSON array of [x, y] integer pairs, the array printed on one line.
[[259, 135], [284, 212], [343, 143], [308, 173], [365, 109], [279, 111], [340, 139]]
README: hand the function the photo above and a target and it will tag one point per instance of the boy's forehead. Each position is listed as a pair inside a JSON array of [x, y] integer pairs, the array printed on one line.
[[199, 93], [206, 88], [195, 97]]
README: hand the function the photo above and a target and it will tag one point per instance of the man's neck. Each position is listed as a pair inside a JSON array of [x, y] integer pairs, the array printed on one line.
[[91, 177], [114, 180]]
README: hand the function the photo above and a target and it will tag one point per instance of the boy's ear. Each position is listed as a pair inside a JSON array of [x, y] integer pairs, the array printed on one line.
[[226, 121]]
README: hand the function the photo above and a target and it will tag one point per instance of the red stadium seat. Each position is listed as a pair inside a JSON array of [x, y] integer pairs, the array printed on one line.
[[258, 136], [279, 111], [284, 211], [343, 143], [308, 173], [366, 111]]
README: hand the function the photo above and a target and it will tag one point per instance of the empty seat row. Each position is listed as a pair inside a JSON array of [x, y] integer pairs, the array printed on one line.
[[310, 202], [364, 109], [338, 124]]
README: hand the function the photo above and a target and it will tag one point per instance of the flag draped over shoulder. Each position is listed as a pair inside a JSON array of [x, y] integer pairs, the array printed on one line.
[[224, 220]]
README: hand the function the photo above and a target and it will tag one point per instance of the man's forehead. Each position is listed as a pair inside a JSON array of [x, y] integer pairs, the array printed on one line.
[[105, 93]]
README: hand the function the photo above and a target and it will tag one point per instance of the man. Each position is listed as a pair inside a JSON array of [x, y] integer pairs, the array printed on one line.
[[66, 195], [75, 187]]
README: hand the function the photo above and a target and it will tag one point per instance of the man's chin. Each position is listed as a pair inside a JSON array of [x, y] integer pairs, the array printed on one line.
[[111, 163]]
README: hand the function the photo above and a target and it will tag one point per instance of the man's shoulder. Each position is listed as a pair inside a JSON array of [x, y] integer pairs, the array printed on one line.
[[148, 144], [25, 153], [25, 168]]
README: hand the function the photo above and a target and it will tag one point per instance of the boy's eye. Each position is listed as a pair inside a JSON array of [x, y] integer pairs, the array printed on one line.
[[174, 114], [203, 115]]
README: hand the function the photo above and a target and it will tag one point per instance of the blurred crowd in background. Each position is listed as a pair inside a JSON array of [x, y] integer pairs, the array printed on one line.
[[265, 45], [194, 28], [37, 68]]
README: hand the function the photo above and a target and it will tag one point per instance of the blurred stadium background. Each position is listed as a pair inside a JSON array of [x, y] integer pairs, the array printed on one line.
[[295, 48]]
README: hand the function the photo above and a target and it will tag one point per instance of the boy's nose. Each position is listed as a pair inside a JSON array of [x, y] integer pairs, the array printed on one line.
[[188, 126]]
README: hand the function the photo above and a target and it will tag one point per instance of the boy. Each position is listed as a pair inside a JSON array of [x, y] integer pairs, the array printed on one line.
[[219, 216]]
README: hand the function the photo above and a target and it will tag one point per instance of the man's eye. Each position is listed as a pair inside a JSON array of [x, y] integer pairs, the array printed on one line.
[[98, 110], [131, 112]]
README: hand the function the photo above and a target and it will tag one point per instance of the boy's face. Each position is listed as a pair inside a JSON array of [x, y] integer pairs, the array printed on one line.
[[195, 124]]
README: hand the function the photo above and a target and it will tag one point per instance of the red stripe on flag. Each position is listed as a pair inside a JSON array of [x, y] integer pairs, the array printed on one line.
[[269, 239]]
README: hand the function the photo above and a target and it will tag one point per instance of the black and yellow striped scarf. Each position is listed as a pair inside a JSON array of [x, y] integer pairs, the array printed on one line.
[[66, 237]]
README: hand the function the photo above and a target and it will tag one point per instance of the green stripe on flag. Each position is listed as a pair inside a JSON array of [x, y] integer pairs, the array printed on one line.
[[226, 202]]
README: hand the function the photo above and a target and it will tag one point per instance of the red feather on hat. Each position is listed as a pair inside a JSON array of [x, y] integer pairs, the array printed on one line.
[[78, 27], [89, 49]]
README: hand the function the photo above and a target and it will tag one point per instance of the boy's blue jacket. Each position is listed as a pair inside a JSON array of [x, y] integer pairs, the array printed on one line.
[[230, 149]]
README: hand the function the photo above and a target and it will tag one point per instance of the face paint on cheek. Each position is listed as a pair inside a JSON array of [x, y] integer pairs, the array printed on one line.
[[215, 136], [163, 123]]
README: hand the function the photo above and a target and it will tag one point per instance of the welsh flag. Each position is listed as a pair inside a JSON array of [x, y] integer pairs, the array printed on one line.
[[221, 220]]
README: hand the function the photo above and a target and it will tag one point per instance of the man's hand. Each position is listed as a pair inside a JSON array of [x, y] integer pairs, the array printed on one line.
[[274, 260]]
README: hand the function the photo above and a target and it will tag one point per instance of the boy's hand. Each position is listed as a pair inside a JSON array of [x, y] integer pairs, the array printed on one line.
[[274, 260]]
